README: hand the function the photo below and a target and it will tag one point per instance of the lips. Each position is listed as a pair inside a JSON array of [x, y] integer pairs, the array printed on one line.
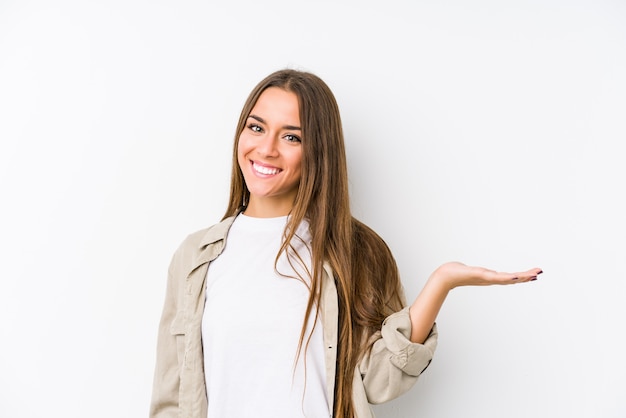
[[265, 170]]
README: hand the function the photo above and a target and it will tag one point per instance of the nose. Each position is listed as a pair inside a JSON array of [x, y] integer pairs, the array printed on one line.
[[268, 146]]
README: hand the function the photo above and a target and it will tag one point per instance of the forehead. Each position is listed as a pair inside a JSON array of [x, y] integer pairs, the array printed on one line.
[[277, 103]]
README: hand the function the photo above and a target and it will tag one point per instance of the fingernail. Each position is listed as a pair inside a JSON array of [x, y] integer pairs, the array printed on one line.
[[515, 278], [533, 279], [540, 271]]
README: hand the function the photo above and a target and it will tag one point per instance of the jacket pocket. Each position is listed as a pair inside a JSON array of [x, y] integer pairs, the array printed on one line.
[[177, 329]]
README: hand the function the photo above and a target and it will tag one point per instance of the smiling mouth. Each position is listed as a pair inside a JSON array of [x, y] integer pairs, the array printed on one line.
[[267, 171]]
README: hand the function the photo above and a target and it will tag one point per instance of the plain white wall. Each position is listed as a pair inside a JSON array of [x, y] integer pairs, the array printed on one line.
[[489, 132]]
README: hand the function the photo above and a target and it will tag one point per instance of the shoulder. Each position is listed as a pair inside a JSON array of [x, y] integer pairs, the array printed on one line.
[[197, 241], [368, 240]]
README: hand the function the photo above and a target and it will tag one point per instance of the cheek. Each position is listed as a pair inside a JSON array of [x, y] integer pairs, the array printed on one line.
[[241, 152], [296, 162], [299, 156]]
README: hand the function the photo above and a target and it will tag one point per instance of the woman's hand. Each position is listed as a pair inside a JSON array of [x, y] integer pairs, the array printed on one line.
[[455, 274], [446, 277]]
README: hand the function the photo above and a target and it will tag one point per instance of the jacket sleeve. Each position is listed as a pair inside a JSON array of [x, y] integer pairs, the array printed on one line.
[[165, 391], [393, 363]]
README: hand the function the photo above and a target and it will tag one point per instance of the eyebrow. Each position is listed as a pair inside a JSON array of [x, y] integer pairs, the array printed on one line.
[[287, 127]]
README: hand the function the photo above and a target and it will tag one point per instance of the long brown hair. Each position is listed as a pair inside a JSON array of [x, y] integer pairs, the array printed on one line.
[[365, 272]]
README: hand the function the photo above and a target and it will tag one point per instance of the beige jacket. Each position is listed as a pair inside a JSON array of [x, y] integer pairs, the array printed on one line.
[[390, 368]]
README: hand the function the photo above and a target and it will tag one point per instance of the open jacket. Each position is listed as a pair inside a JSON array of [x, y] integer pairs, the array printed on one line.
[[388, 369]]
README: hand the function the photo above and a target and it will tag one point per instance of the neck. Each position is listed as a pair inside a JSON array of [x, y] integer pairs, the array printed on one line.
[[265, 209]]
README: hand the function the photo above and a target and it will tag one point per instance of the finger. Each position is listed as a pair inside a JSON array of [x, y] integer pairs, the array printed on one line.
[[532, 274], [526, 276]]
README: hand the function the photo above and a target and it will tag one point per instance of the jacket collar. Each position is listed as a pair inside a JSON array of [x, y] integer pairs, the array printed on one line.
[[217, 232], [213, 242]]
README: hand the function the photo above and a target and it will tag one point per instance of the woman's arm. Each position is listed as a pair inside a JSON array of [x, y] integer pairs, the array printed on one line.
[[427, 305]]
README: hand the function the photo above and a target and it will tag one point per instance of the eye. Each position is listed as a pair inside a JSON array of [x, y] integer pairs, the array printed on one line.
[[292, 138], [255, 128]]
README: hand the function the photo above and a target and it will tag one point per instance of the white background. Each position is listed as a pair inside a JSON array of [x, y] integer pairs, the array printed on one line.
[[489, 132]]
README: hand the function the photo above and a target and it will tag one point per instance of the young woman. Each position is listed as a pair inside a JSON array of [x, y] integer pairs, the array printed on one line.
[[290, 307]]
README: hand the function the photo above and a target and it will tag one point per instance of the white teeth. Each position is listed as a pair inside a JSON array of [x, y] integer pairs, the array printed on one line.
[[265, 170]]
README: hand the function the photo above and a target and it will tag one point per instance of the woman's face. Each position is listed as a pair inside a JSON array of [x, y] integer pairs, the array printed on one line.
[[270, 153]]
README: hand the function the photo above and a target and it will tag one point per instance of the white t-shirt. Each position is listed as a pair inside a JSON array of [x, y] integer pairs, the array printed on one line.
[[251, 328]]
